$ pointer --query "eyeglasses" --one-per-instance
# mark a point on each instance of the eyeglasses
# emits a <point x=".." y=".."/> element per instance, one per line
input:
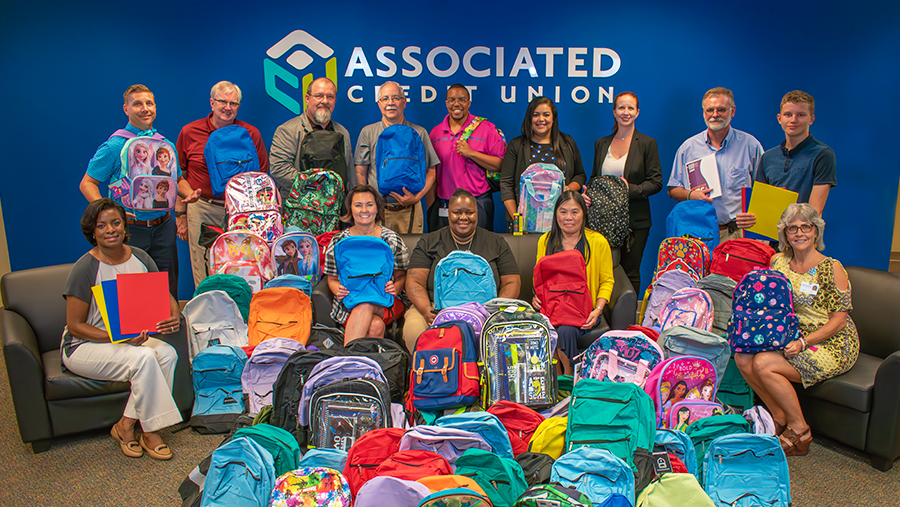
<point x="794" y="228"/>
<point x="457" y="101"/>
<point x="320" y="96"/>
<point x="227" y="103"/>
<point x="720" y="110"/>
<point x="392" y="98"/>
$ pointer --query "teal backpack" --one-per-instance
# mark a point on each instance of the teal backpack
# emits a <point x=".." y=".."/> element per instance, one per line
<point x="618" y="417"/>
<point x="734" y="391"/>
<point x="501" y="478"/>
<point x="279" y="442"/>
<point x="704" y="431"/>
<point x="554" y="495"/>
<point x="747" y="469"/>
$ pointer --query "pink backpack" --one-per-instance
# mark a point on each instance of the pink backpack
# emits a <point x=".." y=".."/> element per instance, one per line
<point x="677" y="379"/>
<point x="619" y="356"/>
<point x="687" y="307"/>
<point x="252" y="203"/>
<point x="683" y="413"/>
<point x="244" y="254"/>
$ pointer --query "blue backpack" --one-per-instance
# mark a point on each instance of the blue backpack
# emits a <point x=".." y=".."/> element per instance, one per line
<point x="365" y="264"/>
<point x="696" y="219"/>
<point x="218" y="397"/>
<point x="302" y="283"/>
<point x="336" y="459"/>
<point x="229" y="151"/>
<point x="747" y="465"/>
<point x="487" y="425"/>
<point x="679" y="444"/>
<point x="400" y="160"/>
<point x="762" y="316"/>
<point x="596" y="473"/>
<point x="241" y="474"/>
<point x="463" y="277"/>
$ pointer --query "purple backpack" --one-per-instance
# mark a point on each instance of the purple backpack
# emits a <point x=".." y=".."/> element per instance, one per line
<point x="619" y="356"/>
<point x="450" y="443"/>
<point x="473" y="313"/>
<point x="386" y="490"/>
<point x="336" y="369"/>
<point x="261" y="371"/>
<point x="687" y="307"/>
<point x="762" y="316"/>
<point x="661" y="290"/>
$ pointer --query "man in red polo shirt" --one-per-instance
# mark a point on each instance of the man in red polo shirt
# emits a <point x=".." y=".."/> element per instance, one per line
<point x="225" y="100"/>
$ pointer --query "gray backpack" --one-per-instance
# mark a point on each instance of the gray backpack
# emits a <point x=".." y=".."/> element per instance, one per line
<point x="720" y="289"/>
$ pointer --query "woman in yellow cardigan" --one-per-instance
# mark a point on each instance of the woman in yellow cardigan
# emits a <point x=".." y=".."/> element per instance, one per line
<point x="568" y="232"/>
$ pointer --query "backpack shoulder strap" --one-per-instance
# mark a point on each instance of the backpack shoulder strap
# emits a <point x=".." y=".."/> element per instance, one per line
<point x="127" y="134"/>
<point x="471" y="128"/>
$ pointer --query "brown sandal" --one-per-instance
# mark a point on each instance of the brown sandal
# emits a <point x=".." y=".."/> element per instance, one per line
<point x="795" y="445"/>
<point x="779" y="428"/>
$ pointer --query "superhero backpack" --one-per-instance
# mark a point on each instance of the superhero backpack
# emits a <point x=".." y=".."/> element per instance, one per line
<point x="365" y="264"/>
<point x="213" y="318"/>
<point x="560" y="282"/>
<point x="311" y="486"/>
<point x="737" y="257"/>
<point x="314" y="203"/>
<point x="517" y="352"/>
<point x="463" y="277"/>
<point x="762" y="316"/>
<point x="696" y="219"/>
<point x="539" y="188"/>
<point x="288" y="254"/>
<point x="241" y="474"/>
<point x="368" y="452"/>
<point x="261" y="371"/>
<point x="400" y="160"/>
<point x="279" y="312"/>
<point x="619" y="356"/>
<point x="229" y="151"/>
<point x="143" y="175"/>
<point x="687" y="307"/>
<point x="444" y="372"/>
<point x="218" y="400"/>
<point x="608" y="213"/>
<point x="673" y="379"/>
<point x="252" y="203"/>
<point x="244" y="254"/>
<point x="323" y="150"/>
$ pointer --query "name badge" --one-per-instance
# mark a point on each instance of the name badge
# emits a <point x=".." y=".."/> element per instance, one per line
<point x="809" y="288"/>
<point x="444" y="210"/>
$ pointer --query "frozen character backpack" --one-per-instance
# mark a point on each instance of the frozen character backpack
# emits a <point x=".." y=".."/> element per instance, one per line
<point x="608" y="213"/>
<point x="400" y="160"/>
<point x="229" y="151"/>
<point x="148" y="173"/>
<point x="695" y="219"/>
<point x="314" y="203"/>
<point x="463" y="277"/>
<point x="762" y="316"/>
<point x="560" y="282"/>
<point x="539" y="188"/>
<point x="365" y="264"/>
<point x="619" y="356"/>
<point x="687" y="307"/>
<point x="297" y="253"/>
<point x="252" y="203"/>
<point x="244" y="254"/>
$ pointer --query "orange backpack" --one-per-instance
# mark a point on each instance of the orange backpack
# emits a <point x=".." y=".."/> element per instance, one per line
<point x="438" y="483"/>
<point x="279" y="312"/>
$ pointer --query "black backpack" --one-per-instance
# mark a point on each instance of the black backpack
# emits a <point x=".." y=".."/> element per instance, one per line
<point x="608" y="212"/>
<point x="323" y="337"/>
<point x="536" y="466"/>
<point x="392" y="358"/>
<point x="288" y="389"/>
<point x="323" y="149"/>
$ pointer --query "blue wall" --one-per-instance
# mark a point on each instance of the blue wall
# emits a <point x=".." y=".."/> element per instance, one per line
<point x="65" y="67"/>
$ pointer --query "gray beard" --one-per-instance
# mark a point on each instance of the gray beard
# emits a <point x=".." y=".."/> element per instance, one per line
<point x="322" y="116"/>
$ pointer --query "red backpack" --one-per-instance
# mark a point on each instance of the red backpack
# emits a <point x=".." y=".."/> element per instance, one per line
<point x="413" y="464"/>
<point x="371" y="450"/>
<point x="323" y="240"/>
<point x="520" y="423"/>
<point x="737" y="257"/>
<point x="560" y="282"/>
<point x="685" y="253"/>
<point x="648" y="331"/>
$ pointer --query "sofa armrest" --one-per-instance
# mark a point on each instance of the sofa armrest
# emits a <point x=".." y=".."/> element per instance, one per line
<point x="321" y="302"/>
<point x="26" y="376"/>
<point x="622" y="307"/>
<point x="883" y="434"/>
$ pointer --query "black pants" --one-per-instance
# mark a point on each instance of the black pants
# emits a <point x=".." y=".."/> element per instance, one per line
<point x="631" y="258"/>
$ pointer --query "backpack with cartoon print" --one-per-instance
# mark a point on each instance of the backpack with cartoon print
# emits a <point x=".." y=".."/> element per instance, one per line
<point x="146" y="182"/>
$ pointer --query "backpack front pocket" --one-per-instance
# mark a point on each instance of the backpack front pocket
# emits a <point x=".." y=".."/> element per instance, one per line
<point x="435" y="372"/>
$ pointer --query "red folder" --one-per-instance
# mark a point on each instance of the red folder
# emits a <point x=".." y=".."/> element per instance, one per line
<point x="143" y="301"/>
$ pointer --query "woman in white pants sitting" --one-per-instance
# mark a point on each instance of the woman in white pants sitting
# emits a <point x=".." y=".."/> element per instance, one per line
<point x="148" y="363"/>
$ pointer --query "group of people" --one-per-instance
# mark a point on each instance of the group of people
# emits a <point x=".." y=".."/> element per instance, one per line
<point x="467" y="159"/>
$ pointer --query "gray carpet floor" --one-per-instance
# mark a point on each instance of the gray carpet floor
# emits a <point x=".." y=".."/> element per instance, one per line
<point x="89" y="470"/>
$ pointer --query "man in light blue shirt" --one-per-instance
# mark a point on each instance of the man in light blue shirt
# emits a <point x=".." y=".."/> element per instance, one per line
<point x="737" y="157"/>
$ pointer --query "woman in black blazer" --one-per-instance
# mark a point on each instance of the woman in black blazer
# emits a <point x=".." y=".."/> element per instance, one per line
<point x="634" y="157"/>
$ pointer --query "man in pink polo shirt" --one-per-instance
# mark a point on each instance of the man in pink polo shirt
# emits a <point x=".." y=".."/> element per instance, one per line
<point x="469" y="148"/>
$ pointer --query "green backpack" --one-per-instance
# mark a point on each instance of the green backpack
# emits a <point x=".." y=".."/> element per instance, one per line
<point x="554" y="494"/>
<point x="280" y="443"/>
<point x="704" y="431"/>
<point x="734" y="390"/>
<point x="617" y="417"/>
<point x="236" y="287"/>
<point x="501" y="478"/>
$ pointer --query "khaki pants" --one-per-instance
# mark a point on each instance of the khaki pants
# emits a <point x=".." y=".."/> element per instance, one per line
<point x="724" y="235"/>
<point x="197" y="213"/>
<point x="398" y="221"/>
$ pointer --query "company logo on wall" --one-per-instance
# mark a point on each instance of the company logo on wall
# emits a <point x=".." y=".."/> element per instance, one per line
<point x="582" y="69"/>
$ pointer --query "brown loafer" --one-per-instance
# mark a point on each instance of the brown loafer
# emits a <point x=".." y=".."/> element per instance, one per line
<point x="160" y="452"/>
<point x="130" y="449"/>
